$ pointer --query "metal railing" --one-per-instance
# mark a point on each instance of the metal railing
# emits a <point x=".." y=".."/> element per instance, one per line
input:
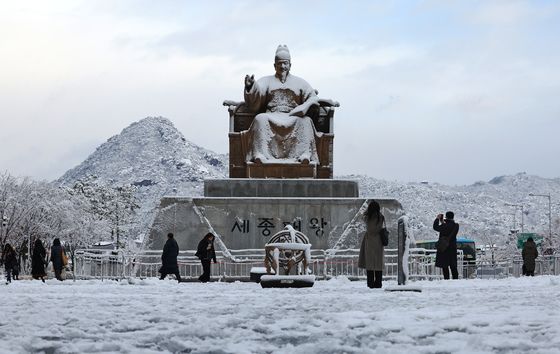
<point x="325" y="264"/>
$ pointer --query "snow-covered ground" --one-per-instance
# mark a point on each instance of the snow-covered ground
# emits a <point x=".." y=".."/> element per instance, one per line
<point x="336" y="316"/>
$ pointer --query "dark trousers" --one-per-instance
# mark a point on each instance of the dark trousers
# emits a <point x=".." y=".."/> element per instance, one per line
<point x="374" y="278"/>
<point x="8" y="274"/>
<point x="58" y="274"/>
<point x="177" y="275"/>
<point x="454" y="272"/>
<point x="205" y="270"/>
<point x="528" y="272"/>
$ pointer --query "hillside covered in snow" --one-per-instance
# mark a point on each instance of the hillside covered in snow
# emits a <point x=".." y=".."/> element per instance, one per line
<point x="154" y="156"/>
<point x="483" y="209"/>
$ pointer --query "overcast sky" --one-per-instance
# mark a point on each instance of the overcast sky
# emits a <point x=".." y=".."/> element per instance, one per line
<point x="446" y="91"/>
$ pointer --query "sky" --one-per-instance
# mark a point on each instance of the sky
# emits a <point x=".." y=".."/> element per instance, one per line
<point x="446" y="91"/>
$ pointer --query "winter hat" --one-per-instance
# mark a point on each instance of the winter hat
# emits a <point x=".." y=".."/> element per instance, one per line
<point x="449" y="215"/>
<point x="282" y="53"/>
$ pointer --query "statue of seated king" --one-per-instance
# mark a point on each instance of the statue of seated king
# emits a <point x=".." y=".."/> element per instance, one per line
<point x="283" y="129"/>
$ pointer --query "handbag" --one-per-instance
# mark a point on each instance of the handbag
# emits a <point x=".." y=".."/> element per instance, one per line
<point x="64" y="259"/>
<point x="384" y="233"/>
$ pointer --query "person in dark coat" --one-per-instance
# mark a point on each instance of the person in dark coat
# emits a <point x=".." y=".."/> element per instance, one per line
<point x="446" y="256"/>
<point x="372" y="252"/>
<point x="10" y="261"/>
<point x="58" y="255"/>
<point x="206" y="253"/>
<point x="529" y="254"/>
<point x="38" y="261"/>
<point x="169" y="258"/>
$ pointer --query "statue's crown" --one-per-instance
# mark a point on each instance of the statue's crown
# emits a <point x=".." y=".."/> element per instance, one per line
<point x="282" y="53"/>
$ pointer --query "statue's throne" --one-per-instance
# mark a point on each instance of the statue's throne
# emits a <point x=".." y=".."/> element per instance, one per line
<point x="240" y="119"/>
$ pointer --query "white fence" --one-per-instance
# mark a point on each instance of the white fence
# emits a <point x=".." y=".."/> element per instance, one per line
<point x="325" y="264"/>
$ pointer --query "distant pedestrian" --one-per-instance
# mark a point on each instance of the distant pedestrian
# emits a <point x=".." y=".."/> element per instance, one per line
<point x="22" y="255"/>
<point x="169" y="258"/>
<point x="206" y="253"/>
<point x="10" y="261"/>
<point x="372" y="252"/>
<point x="38" y="261"/>
<point x="58" y="258"/>
<point x="446" y="256"/>
<point x="529" y="254"/>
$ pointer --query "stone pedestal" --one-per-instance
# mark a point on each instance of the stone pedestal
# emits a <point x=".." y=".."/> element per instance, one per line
<point x="280" y="188"/>
<point x="281" y="170"/>
<point x="244" y="213"/>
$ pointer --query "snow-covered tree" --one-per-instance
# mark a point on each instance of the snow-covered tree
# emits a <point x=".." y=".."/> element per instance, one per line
<point x="117" y="205"/>
<point x="36" y="209"/>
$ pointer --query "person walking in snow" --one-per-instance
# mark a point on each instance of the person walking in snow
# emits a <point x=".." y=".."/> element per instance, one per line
<point x="206" y="253"/>
<point x="10" y="261"/>
<point x="38" y="261"/>
<point x="529" y="254"/>
<point x="372" y="252"/>
<point x="446" y="256"/>
<point x="169" y="258"/>
<point x="58" y="258"/>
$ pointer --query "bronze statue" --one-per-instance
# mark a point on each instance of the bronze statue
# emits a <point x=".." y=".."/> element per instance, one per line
<point x="281" y="129"/>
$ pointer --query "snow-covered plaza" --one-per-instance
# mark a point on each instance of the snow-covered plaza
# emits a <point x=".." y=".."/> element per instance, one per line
<point x="335" y="316"/>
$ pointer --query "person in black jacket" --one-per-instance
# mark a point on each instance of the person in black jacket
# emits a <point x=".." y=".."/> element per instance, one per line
<point x="206" y="253"/>
<point x="38" y="261"/>
<point x="169" y="258"/>
<point x="529" y="254"/>
<point x="446" y="256"/>
<point x="10" y="261"/>
<point x="58" y="257"/>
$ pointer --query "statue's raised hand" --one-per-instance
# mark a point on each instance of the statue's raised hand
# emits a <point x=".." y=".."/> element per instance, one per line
<point x="249" y="81"/>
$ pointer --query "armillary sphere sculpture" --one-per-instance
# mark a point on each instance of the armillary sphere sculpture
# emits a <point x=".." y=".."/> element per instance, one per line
<point x="287" y="257"/>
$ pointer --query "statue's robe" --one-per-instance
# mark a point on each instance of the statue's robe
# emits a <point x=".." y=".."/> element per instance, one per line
<point x="274" y="135"/>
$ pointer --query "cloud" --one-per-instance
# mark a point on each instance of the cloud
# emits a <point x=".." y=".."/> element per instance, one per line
<point x="466" y="80"/>
<point x="505" y="12"/>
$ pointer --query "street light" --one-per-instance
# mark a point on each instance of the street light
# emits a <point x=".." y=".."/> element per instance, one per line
<point x="549" y="214"/>
<point x="522" y="213"/>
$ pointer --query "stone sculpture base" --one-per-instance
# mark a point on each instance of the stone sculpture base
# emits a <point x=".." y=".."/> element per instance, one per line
<point x="287" y="281"/>
<point x="281" y="170"/>
<point x="280" y="188"/>
<point x="330" y="221"/>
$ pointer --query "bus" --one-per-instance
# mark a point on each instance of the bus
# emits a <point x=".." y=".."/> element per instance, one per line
<point x="464" y="244"/>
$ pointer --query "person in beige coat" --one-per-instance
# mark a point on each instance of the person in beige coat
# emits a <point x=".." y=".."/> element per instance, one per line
<point x="371" y="251"/>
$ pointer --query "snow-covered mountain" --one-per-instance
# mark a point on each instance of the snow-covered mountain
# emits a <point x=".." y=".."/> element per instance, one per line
<point x="150" y="152"/>
<point x="480" y="208"/>
<point x="154" y="156"/>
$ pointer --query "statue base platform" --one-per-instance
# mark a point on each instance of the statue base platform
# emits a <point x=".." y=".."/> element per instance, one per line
<point x="280" y="188"/>
<point x="287" y="281"/>
<point x="247" y="223"/>
<point x="281" y="170"/>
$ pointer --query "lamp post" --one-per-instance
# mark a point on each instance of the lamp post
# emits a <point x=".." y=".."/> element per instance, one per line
<point x="549" y="213"/>
<point x="522" y="214"/>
